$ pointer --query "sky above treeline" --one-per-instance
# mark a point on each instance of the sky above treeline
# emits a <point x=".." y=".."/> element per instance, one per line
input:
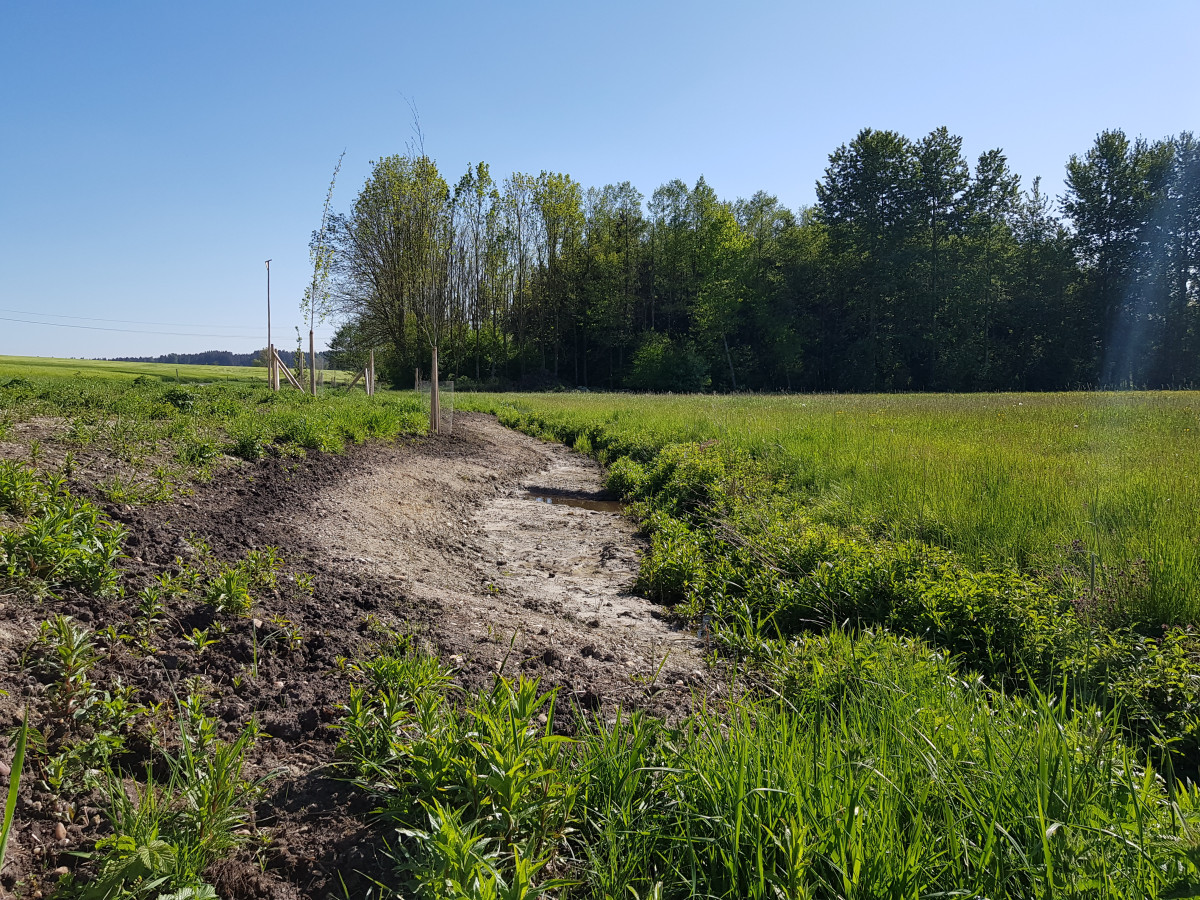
<point x="153" y="155"/>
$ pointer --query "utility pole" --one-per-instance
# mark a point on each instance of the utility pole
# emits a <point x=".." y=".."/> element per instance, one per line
<point x="270" y="347"/>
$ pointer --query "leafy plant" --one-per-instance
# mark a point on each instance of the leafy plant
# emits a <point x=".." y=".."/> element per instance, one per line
<point x="199" y="640"/>
<point x="169" y="832"/>
<point x="229" y="591"/>
<point x="69" y="652"/>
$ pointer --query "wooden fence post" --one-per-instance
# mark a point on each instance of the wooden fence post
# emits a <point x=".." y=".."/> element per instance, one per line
<point x="435" y="407"/>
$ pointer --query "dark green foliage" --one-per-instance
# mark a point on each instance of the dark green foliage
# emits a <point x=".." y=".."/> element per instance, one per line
<point x="663" y="365"/>
<point x="62" y="541"/>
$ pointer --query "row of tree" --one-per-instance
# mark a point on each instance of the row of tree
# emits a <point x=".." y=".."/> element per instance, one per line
<point x="220" y="358"/>
<point x="913" y="271"/>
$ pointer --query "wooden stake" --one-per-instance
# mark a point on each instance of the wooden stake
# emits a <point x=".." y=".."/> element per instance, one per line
<point x="435" y="408"/>
<point x="288" y="372"/>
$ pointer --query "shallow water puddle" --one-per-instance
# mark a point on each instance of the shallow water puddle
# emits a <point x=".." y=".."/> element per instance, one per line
<point x="556" y="499"/>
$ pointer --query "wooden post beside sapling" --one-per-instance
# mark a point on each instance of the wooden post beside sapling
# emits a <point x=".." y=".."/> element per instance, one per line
<point x="435" y="409"/>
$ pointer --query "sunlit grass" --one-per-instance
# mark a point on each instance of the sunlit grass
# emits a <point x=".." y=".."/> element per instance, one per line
<point x="30" y="366"/>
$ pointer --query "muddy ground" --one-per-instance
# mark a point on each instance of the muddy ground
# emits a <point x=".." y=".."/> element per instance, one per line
<point x="499" y="551"/>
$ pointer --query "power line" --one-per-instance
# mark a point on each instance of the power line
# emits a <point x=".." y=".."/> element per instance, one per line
<point x="128" y="330"/>
<point x="29" y="312"/>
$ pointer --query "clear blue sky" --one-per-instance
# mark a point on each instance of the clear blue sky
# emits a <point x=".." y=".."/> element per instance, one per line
<point x="152" y="155"/>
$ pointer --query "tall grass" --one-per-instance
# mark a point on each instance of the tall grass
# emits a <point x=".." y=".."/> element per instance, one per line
<point x="1059" y="483"/>
<point x="879" y="770"/>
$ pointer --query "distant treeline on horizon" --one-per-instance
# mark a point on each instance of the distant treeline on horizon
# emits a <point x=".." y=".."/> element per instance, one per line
<point x="211" y="358"/>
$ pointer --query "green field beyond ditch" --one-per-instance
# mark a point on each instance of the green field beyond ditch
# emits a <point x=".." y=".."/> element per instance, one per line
<point x="31" y="366"/>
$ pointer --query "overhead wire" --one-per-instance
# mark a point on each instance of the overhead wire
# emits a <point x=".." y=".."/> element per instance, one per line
<point x="30" y="312"/>
<point x="126" y="322"/>
<point x="128" y="330"/>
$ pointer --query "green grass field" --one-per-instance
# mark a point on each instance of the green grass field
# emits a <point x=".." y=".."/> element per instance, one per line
<point x="30" y="366"/>
<point x="961" y="627"/>
<point x="168" y="425"/>
<point x="1040" y="481"/>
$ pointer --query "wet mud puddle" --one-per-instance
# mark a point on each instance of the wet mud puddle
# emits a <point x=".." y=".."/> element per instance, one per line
<point x="559" y="498"/>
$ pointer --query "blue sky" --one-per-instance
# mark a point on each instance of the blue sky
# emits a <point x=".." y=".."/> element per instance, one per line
<point x="152" y="155"/>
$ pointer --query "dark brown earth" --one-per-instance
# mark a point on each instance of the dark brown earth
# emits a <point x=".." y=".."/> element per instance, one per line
<point x="436" y="536"/>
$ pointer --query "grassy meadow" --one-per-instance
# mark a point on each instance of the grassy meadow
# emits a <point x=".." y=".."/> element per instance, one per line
<point x="33" y="366"/>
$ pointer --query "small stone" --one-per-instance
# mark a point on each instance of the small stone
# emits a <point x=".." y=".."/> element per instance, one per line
<point x="542" y="718"/>
<point x="60" y="831"/>
<point x="257" y="623"/>
<point x="678" y="684"/>
<point x="278" y="685"/>
<point x="5" y="770"/>
<point x="61" y="871"/>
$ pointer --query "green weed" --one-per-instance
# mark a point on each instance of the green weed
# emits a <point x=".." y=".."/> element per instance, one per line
<point x="14" y="786"/>
<point x="169" y="832"/>
<point x="229" y="591"/>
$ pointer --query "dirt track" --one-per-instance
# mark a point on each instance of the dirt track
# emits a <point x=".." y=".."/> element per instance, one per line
<point x="550" y="580"/>
<point x="435" y="535"/>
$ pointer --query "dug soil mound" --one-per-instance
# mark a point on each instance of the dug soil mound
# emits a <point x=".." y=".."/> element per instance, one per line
<point x="500" y="552"/>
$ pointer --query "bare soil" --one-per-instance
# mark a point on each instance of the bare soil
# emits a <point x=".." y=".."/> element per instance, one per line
<point x="440" y="536"/>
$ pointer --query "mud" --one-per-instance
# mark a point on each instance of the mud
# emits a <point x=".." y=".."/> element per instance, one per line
<point x="447" y="537"/>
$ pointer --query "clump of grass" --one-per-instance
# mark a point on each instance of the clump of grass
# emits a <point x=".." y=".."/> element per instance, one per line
<point x="229" y="592"/>
<point x="21" y="490"/>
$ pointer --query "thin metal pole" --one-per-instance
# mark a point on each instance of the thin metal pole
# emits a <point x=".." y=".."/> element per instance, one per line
<point x="270" y="346"/>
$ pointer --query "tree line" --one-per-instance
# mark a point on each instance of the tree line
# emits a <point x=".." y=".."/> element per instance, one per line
<point x="215" y="358"/>
<point x="914" y="270"/>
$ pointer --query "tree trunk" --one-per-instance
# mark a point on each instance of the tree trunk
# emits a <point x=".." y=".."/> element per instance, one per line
<point x="729" y="359"/>
<point x="312" y="365"/>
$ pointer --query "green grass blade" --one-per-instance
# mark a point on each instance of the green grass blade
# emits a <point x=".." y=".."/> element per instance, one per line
<point x="14" y="786"/>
